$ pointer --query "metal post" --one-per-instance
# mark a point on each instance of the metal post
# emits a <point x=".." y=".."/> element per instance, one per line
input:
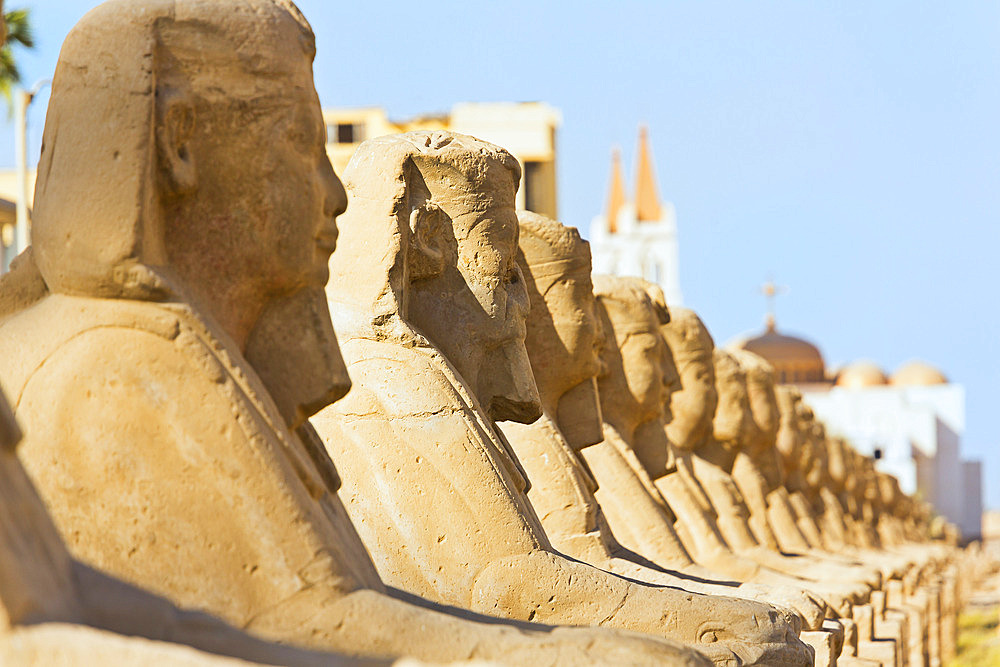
<point x="22" y="99"/>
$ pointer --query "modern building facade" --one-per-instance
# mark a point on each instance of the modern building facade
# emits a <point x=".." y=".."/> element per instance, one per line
<point x="526" y="129"/>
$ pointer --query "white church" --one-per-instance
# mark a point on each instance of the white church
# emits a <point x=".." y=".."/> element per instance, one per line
<point x="638" y="236"/>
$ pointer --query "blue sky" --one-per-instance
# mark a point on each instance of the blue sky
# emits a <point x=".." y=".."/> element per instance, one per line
<point x="851" y="150"/>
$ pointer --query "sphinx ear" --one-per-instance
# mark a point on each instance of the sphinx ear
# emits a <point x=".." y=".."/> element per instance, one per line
<point x="426" y="251"/>
<point x="173" y="139"/>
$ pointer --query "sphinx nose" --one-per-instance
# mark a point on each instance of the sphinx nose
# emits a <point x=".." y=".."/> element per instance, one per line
<point x="335" y="202"/>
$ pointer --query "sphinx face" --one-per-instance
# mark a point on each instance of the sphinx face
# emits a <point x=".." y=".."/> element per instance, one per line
<point x="693" y="399"/>
<point x="888" y="489"/>
<point x="816" y="466"/>
<point x="835" y="462"/>
<point x="764" y="409"/>
<point x="268" y="175"/>
<point x="733" y="422"/>
<point x="572" y="349"/>
<point x="474" y="310"/>
<point x="631" y="382"/>
<point x="850" y="472"/>
<point x="788" y="433"/>
<point x="642" y="354"/>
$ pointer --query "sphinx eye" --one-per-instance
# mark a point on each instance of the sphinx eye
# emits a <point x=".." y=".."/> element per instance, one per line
<point x="708" y="636"/>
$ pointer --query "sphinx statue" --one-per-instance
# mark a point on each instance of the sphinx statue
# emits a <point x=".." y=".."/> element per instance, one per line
<point x="713" y="461"/>
<point x="432" y="326"/>
<point x="710" y="511"/>
<point x="793" y="448"/>
<point x="757" y="474"/>
<point x="563" y="337"/>
<point x="56" y="610"/>
<point x="630" y="391"/>
<point x="167" y="336"/>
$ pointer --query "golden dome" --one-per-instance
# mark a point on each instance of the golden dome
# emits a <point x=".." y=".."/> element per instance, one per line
<point x="917" y="374"/>
<point x="794" y="359"/>
<point x="860" y="374"/>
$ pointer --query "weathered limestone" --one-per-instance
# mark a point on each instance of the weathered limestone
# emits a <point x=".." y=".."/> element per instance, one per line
<point x="631" y="394"/>
<point x="55" y="610"/>
<point x="432" y="327"/>
<point x="168" y="335"/>
<point x="735" y="427"/>
<point x="700" y="492"/>
<point x="562" y="340"/>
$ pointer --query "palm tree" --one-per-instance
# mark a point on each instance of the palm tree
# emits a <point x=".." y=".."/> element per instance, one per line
<point x="18" y="24"/>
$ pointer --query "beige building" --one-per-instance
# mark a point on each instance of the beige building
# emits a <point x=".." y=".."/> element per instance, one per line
<point x="526" y="129"/>
<point x="8" y="214"/>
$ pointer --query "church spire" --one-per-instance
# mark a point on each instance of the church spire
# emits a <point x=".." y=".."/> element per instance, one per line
<point x="647" y="201"/>
<point x="616" y="195"/>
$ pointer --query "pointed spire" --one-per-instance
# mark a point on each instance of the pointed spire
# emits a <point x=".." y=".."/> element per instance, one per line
<point x="647" y="201"/>
<point x="616" y="195"/>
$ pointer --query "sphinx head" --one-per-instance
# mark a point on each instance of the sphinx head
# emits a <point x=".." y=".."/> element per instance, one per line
<point x="791" y="436"/>
<point x="428" y="257"/>
<point x="208" y="171"/>
<point x="817" y="467"/>
<point x="868" y="480"/>
<point x="852" y="471"/>
<point x="836" y="458"/>
<point x="206" y="182"/>
<point x="733" y="424"/>
<point x="564" y="337"/>
<point x="692" y="395"/>
<point x="760" y="377"/>
<point x="632" y="383"/>
<point x="889" y="491"/>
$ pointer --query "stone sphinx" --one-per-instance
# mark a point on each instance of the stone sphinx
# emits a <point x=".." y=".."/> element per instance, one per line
<point x="631" y="390"/>
<point x="706" y="502"/>
<point x="55" y="610"/>
<point x="167" y="336"/>
<point x="793" y="448"/>
<point x="713" y="461"/>
<point x="758" y="475"/>
<point x="430" y="307"/>
<point x="563" y="336"/>
<point x="756" y="469"/>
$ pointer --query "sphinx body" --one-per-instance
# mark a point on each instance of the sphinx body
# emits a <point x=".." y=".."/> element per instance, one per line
<point x="632" y="396"/>
<point x="55" y="610"/>
<point x="703" y="423"/>
<point x="433" y="333"/>
<point x="563" y="340"/>
<point x="714" y="461"/>
<point x="167" y="337"/>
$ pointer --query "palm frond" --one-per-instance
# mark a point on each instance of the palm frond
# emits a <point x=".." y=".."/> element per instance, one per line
<point x="19" y="27"/>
